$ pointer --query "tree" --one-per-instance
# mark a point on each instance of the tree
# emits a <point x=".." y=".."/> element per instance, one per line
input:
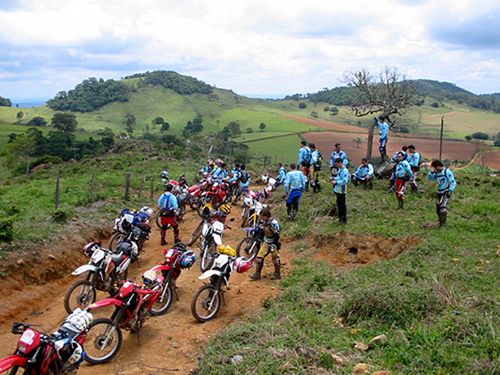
<point x="19" y="150"/>
<point x="468" y="138"/>
<point x="192" y="127"/>
<point x="165" y="127"/>
<point x="334" y="111"/>
<point x="249" y="130"/>
<point x="158" y="121"/>
<point x="20" y="115"/>
<point x="234" y="128"/>
<point x="314" y="114"/>
<point x="302" y="105"/>
<point x="37" y="121"/>
<point x="388" y="94"/>
<point x="480" y="135"/>
<point x="129" y="122"/>
<point x="4" y="102"/>
<point x="262" y="126"/>
<point x="65" y="122"/>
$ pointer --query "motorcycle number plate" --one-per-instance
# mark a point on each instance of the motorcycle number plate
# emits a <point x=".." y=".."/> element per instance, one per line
<point x="97" y="256"/>
<point x="27" y="337"/>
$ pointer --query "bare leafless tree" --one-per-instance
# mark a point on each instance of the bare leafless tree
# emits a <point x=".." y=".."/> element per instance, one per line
<point x="386" y="94"/>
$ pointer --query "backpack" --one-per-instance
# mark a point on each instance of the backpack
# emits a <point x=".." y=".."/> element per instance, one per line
<point x="244" y="176"/>
<point x="307" y="157"/>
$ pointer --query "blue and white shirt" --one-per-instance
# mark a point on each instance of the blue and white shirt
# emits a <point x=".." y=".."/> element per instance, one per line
<point x="341" y="181"/>
<point x="295" y="180"/>
<point x="403" y="169"/>
<point x="304" y="156"/>
<point x="384" y="129"/>
<point x="168" y="201"/>
<point x="364" y="171"/>
<point x="445" y="180"/>
<point x="414" y="159"/>
<point x="339" y="154"/>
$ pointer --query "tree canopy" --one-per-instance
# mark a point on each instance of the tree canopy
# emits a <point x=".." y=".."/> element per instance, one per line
<point x="179" y="83"/>
<point x="90" y="95"/>
<point x="66" y="122"/>
<point x="4" y="102"/>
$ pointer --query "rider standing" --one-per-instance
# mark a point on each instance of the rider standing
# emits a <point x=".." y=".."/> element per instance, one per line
<point x="168" y="206"/>
<point x="271" y="245"/>
<point x="338" y="153"/>
<point x="316" y="167"/>
<point x="446" y="185"/>
<point x="414" y="159"/>
<point x="403" y="174"/>
<point x="304" y="161"/>
<point x="383" y="126"/>
<point x="340" y="183"/>
<point x="295" y="183"/>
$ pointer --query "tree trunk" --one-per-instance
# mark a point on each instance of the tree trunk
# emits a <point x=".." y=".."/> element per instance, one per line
<point x="369" y="145"/>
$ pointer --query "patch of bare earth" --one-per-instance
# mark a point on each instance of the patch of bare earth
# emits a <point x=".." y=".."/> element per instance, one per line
<point x="347" y="249"/>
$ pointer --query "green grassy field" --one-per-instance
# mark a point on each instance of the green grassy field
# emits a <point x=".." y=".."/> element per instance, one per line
<point x="437" y="303"/>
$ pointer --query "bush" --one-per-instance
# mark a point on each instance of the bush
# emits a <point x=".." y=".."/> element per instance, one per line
<point x="302" y="105"/>
<point x="314" y="114"/>
<point x="496" y="143"/>
<point x="468" y="138"/>
<point x="249" y="130"/>
<point x="7" y="228"/>
<point x="37" y="121"/>
<point x="398" y="305"/>
<point x="435" y="105"/>
<point x="480" y="135"/>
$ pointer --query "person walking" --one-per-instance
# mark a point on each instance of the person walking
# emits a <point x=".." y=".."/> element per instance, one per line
<point x="168" y="206"/>
<point x="446" y="186"/>
<point x="304" y="161"/>
<point x="383" y="126"/>
<point x="295" y="184"/>
<point x="403" y="174"/>
<point x="315" y="167"/>
<point x="271" y="245"/>
<point x="340" y="183"/>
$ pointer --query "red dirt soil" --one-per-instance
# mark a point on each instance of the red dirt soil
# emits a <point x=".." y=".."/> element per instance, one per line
<point x="490" y="159"/>
<point x="428" y="147"/>
<point x="326" y="124"/>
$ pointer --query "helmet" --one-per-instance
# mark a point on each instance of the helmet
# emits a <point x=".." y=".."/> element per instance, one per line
<point x="242" y="265"/>
<point x="219" y="162"/>
<point x="226" y="208"/>
<point x="149" y="277"/>
<point x="188" y="259"/>
<point x="70" y="352"/>
<point x="210" y="162"/>
<point x="164" y="175"/>
<point x="146" y="210"/>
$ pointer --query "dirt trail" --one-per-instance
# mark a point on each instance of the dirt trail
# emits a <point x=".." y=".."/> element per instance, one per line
<point x="167" y="344"/>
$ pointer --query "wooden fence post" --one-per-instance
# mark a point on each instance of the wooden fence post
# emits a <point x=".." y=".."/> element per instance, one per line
<point x="58" y="192"/>
<point x="152" y="190"/>
<point x="126" y="197"/>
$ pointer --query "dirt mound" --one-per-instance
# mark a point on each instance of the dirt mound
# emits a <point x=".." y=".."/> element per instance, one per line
<point x="344" y="249"/>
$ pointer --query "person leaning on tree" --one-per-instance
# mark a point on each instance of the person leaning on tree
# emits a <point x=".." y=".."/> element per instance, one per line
<point x="446" y="186"/>
<point x="340" y="183"/>
<point x="383" y="126"/>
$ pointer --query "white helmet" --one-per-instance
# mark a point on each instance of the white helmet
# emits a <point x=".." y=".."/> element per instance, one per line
<point x="70" y="352"/>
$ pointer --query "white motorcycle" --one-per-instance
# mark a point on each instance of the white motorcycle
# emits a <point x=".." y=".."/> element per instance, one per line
<point x="104" y="272"/>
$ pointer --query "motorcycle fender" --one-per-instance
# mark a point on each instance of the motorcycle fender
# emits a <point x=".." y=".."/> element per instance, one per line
<point x="83" y="269"/>
<point x="209" y="274"/>
<point x="106" y="302"/>
<point x="12" y="361"/>
<point x="123" y="266"/>
<point x="217" y="239"/>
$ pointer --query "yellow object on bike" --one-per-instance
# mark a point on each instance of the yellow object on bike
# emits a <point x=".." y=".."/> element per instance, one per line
<point x="227" y="250"/>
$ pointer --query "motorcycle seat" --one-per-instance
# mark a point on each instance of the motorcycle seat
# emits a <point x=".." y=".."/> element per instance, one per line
<point x="118" y="258"/>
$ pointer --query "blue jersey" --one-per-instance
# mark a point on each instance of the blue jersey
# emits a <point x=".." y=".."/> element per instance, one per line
<point x="403" y="169"/>
<point x="395" y="156"/>
<point x="414" y="159"/>
<point x="304" y="156"/>
<point x="295" y="180"/>
<point x="168" y="201"/>
<point x="341" y="181"/>
<point x="219" y="173"/>
<point x="281" y="174"/>
<point x="384" y="129"/>
<point x="364" y="171"/>
<point x="445" y="180"/>
<point x="315" y="158"/>
<point x="339" y="154"/>
<point x="236" y="174"/>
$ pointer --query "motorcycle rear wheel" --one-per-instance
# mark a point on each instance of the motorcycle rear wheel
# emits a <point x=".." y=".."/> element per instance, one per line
<point x="115" y="240"/>
<point x="85" y="295"/>
<point x="101" y="328"/>
<point x="206" y="303"/>
<point x="161" y="307"/>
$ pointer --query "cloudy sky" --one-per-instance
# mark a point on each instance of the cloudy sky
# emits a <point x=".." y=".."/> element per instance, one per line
<point x="255" y="47"/>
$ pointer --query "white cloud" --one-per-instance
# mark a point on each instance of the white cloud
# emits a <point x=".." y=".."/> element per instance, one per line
<point x="251" y="46"/>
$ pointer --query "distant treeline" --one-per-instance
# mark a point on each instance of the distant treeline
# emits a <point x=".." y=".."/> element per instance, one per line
<point x="181" y="84"/>
<point x="4" y="102"/>
<point x="438" y="91"/>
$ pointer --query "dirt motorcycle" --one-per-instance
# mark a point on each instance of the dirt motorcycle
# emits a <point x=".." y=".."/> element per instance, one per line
<point x="217" y="195"/>
<point x="175" y="260"/>
<point x="104" y="272"/>
<point x="249" y="199"/>
<point x="125" y="223"/>
<point x="250" y="245"/>
<point x="196" y="191"/>
<point x="133" y="306"/>
<point x="38" y="353"/>
<point x="253" y="214"/>
<point x="209" y="298"/>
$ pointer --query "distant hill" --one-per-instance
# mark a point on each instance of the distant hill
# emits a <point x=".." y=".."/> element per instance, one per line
<point x="434" y="90"/>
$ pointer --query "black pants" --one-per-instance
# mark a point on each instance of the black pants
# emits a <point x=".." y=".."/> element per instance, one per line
<point x="342" y="208"/>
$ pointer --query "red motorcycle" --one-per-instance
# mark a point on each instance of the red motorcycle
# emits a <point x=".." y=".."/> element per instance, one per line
<point x="39" y="353"/>
<point x="217" y="195"/>
<point x="176" y="259"/>
<point x="196" y="191"/>
<point x="133" y="306"/>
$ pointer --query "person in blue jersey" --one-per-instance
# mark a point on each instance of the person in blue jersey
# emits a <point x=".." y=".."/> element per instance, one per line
<point x="304" y="161"/>
<point x="280" y="180"/>
<point x="295" y="184"/>
<point x="403" y="174"/>
<point x="446" y="186"/>
<point x="395" y="160"/>
<point x="169" y="207"/>
<point x="220" y="172"/>
<point x="340" y="183"/>
<point x="383" y="126"/>
<point x="338" y="153"/>
<point x="315" y="167"/>
<point x="244" y="179"/>
<point x="414" y="159"/>
<point x="363" y="174"/>
<point x="207" y="169"/>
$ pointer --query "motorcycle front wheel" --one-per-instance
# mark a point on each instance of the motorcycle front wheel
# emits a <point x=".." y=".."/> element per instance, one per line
<point x="81" y="294"/>
<point x="103" y="341"/>
<point x="248" y="247"/>
<point x="163" y="302"/>
<point x="206" y="303"/>
<point x="207" y="259"/>
<point x="115" y="240"/>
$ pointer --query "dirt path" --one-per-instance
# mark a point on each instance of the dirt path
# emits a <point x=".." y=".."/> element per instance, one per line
<point x="167" y="344"/>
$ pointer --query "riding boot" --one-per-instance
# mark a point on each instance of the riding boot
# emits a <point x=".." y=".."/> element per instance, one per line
<point x="259" y="264"/>
<point x="163" y="233"/>
<point x="442" y="219"/>
<point x="277" y="269"/>
<point x="400" y="204"/>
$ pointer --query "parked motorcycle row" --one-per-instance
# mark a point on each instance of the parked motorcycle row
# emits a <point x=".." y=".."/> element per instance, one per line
<point x="97" y="341"/>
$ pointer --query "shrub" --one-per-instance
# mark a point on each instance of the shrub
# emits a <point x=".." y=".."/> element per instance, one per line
<point x="435" y="105"/>
<point x="302" y="105"/>
<point x="468" y="138"/>
<point x="7" y="228"/>
<point x="480" y="135"/>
